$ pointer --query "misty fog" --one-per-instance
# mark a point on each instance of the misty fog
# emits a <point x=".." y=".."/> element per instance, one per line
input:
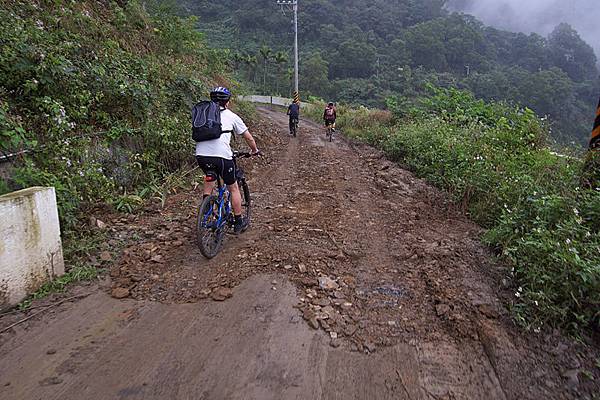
<point x="539" y="16"/>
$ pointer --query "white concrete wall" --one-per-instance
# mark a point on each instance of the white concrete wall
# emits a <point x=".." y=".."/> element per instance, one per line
<point x="30" y="246"/>
<point x="278" y="101"/>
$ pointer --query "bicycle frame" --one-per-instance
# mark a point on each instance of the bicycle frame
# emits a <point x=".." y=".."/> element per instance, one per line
<point x="294" y="125"/>
<point x="224" y="209"/>
<point x="215" y="214"/>
<point x="224" y="202"/>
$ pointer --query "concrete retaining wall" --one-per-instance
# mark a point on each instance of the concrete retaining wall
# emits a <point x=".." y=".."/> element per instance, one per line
<point x="273" y="100"/>
<point x="30" y="245"/>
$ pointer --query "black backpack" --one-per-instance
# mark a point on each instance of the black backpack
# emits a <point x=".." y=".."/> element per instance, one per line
<point x="206" y="121"/>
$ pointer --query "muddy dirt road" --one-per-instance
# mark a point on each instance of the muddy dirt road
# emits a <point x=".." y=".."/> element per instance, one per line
<point x="356" y="281"/>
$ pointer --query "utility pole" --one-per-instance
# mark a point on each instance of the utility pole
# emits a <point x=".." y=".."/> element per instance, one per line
<point x="294" y="5"/>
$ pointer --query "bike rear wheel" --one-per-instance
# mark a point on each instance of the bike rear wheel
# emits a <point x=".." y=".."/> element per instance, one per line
<point x="209" y="234"/>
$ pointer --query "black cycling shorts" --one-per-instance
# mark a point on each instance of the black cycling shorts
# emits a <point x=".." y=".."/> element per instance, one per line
<point x="329" y="122"/>
<point x="221" y="166"/>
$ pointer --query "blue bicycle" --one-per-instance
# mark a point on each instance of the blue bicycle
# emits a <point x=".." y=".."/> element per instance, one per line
<point x="215" y="216"/>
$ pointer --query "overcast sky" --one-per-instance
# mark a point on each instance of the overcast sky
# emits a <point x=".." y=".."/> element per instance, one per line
<point x="539" y="16"/>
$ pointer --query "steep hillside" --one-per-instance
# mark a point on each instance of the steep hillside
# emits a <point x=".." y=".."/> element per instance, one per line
<point x="366" y="51"/>
<point x="97" y="95"/>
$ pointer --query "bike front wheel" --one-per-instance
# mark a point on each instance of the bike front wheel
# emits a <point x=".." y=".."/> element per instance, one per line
<point x="209" y="230"/>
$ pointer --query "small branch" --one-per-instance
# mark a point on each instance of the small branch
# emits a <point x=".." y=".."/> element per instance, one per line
<point x="44" y="310"/>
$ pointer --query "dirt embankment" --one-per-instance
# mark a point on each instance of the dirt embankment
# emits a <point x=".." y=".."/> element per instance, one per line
<point x="357" y="280"/>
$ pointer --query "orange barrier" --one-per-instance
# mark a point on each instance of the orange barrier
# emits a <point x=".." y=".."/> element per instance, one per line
<point x="595" y="140"/>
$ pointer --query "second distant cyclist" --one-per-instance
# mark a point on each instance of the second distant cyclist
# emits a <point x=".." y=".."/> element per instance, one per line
<point x="294" y="113"/>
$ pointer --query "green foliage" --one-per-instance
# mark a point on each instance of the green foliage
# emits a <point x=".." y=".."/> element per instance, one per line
<point x="12" y="134"/>
<point x="101" y="93"/>
<point x="248" y="110"/>
<point x="317" y="69"/>
<point x="128" y="203"/>
<point x="493" y="160"/>
<point x="4" y="188"/>
<point x="363" y="52"/>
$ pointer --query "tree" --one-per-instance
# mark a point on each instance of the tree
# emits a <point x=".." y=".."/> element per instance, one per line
<point x="571" y="54"/>
<point x="281" y="59"/>
<point x="424" y="42"/>
<point x="315" y="72"/>
<point x="398" y="54"/>
<point x="354" y="59"/>
<point x="251" y="62"/>
<point x="266" y="54"/>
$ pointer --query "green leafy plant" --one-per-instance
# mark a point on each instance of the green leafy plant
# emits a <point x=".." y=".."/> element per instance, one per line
<point x="128" y="203"/>
<point x="98" y="95"/>
<point x="101" y="100"/>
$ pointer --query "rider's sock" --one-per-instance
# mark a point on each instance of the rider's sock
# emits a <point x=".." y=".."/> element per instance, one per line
<point x="237" y="218"/>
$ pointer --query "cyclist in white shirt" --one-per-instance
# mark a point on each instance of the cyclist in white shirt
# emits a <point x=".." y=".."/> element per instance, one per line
<point x="216" y="155"/>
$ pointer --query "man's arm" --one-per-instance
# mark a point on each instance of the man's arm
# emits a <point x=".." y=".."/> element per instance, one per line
<point x="250" y="141"/>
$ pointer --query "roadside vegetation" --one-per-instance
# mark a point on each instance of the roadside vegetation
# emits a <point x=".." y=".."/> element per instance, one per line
<point x="494" y="161"/>
<point x="94" y="101"/>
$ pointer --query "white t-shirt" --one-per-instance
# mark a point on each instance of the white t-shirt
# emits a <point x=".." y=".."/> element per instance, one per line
<point x="220" y="147"/>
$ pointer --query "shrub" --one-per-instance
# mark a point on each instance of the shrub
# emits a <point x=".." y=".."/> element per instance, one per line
<point x="101" y="93"/>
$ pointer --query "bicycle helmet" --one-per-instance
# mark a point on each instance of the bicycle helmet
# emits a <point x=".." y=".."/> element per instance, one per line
<point x="220" y="94"/>
<point x="330" y="104"/>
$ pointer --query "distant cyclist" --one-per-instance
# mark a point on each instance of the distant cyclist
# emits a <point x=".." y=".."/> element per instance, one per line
<point x="329" y="116"/>
<point x="294" y="113"/>
<point x="216" y="155"/>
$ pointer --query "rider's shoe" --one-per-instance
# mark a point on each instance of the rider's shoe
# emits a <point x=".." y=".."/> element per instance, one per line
<point x="240" y="225"/>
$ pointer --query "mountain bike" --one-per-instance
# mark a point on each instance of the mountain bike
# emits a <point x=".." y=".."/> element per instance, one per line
<point x="329" y="133"/>
<point x="215" y="214"/>
<point x="294" y="127"/>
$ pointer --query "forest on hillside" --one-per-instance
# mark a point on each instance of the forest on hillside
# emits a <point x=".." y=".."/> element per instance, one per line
<point x="368" y="51"/>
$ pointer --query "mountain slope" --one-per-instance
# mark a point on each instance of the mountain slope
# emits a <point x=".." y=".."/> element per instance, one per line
<point x="98" y="95"/>
<point x="366" y="51"/>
